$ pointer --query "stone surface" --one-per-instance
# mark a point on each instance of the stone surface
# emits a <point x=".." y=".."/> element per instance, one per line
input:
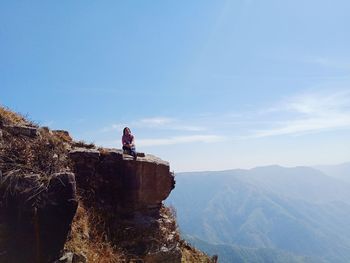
<point x="35" y="216"/>
<point x="22" y="130"/>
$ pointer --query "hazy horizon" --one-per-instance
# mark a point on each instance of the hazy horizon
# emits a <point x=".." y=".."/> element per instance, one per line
<point x="265" y="166"/>
<point x="205" y="85"/>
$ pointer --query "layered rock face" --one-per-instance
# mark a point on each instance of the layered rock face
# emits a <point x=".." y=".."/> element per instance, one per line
<point x="129" y="195"/>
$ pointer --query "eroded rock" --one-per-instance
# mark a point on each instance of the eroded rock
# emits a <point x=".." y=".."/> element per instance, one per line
<point x="35" y="216"/>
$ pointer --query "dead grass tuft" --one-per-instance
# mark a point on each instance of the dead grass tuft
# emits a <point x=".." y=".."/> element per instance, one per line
<point x="42" y="155"/>
<point x="9" y="117"/>
<point x="88" y="238"/>
<point x="63" y="136"/>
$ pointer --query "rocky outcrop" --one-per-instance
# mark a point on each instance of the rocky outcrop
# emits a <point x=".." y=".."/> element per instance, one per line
<point x="25" y="130"/>
<point x="126" y="185"/>
<point x="35" y="216"/>
<point x="129" y="194"/>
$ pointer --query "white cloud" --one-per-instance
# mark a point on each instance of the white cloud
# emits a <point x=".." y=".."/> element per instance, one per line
<point x="156" y="121"/>
<point x="315" y="112"/>
<point x="113" y="127"/>
<point x="310" y="112"/>
<point x="321" y="103"/>
<point x="167" y="124"/>
<point x="179" y="140"/>
<point x="163" y="123"/>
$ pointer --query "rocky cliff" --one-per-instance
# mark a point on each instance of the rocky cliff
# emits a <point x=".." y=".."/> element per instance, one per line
<point x="129" y="194"/>
<point x="67" y="201"/>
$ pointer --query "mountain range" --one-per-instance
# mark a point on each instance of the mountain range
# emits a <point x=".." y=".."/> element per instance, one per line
<point x="267" y="214"/>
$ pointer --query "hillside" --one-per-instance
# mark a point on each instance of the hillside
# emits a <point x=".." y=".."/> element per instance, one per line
<point x="240" y="254"/>
<point x="68" y="201"/>
<point x="297" y="210"/>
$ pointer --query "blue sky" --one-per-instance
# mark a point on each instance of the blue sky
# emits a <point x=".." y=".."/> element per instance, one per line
<point x="206" y="85"/>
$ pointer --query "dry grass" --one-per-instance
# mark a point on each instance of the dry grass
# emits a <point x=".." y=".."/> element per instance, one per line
<point x="63" y="136"/>
<point x="9" y="117"/>
<point x="42" y="155"/>
<point x="87" y="238"/>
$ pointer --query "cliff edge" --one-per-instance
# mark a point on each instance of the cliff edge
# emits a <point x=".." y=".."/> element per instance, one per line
<point x="67" y="201"/>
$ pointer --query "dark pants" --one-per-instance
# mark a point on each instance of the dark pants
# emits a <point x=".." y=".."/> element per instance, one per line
<point x="130" y="150"/>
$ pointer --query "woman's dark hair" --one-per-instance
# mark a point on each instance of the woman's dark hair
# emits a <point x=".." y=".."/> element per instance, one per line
<point x="125" y="129"/>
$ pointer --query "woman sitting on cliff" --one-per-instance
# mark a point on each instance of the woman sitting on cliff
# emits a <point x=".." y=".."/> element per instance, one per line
<point x="128" y="142"/>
